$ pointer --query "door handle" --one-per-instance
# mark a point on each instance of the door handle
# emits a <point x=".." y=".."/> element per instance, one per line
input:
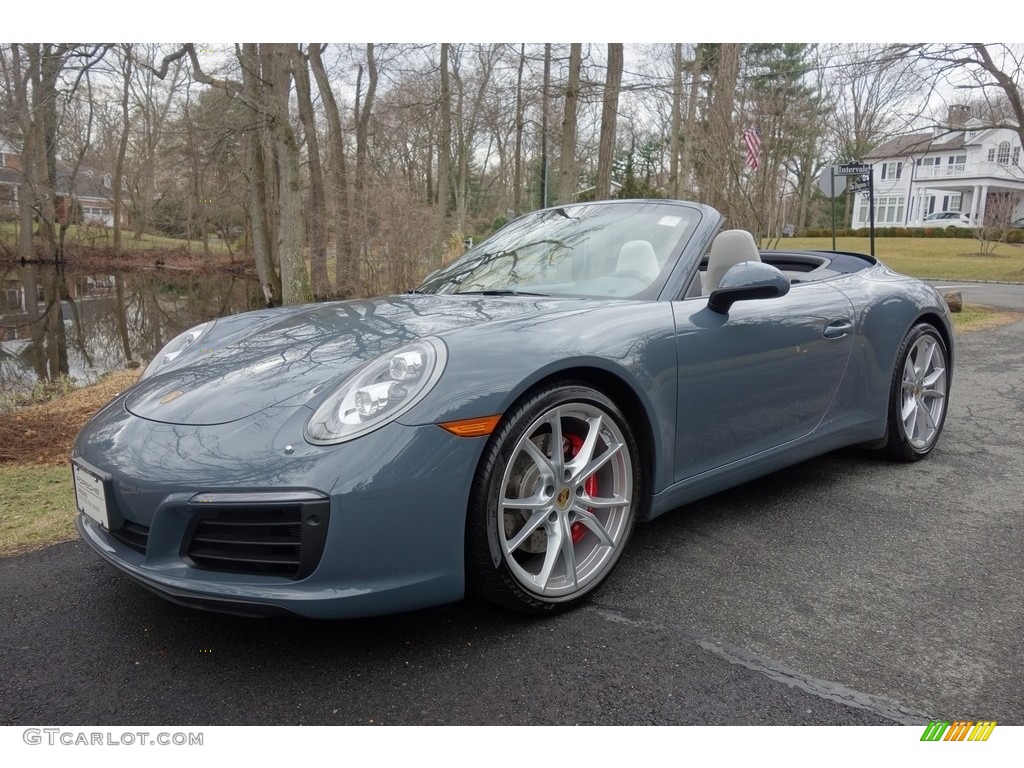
<point x="837" y="329"/>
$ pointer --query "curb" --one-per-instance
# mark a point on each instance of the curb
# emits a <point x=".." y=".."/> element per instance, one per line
<point x="960" y="280"/>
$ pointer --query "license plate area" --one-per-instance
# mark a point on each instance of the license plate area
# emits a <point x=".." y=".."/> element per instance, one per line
<point x="91" y="494"/>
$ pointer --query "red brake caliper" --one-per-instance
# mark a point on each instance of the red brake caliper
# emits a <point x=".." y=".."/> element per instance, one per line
<point x="589" y="485"/>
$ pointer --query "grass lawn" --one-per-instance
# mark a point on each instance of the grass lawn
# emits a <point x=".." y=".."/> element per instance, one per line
<point x="36" y="506"/>
<point x="940" y="258"/>
<point x="101" y="237"/>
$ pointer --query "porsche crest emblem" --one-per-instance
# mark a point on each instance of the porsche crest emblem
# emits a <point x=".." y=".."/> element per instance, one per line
<point x="171" y="396"/>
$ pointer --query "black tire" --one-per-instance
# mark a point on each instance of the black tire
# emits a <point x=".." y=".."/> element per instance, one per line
<point x="919" y="395"/>
<point x="507" y="547"/>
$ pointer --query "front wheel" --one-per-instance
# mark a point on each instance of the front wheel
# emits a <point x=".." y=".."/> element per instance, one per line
<point x="919" y="393"/>
<point x="554" y="500"/>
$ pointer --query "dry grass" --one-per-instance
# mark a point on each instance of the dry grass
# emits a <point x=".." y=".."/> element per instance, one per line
<point x="975" y="318"/>
<point x="43" y="434"/>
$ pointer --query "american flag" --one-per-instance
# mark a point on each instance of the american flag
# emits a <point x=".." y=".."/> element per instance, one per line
<point x="752" y="138"/>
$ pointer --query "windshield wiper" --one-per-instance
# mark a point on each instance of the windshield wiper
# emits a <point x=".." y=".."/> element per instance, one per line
<point x="500" y="292"/>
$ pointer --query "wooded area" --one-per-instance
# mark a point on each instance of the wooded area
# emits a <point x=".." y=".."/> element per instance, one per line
<point x="353" y="169"/>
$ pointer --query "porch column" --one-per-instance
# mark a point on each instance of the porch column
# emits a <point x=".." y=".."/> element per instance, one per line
<point x="981" y="205"/>
<point x="975" y="199"/>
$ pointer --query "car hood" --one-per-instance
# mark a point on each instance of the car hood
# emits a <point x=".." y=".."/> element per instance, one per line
<point x="290" y="352"/>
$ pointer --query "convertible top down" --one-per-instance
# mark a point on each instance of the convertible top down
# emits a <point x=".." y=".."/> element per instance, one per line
<point x="503" y="427"/>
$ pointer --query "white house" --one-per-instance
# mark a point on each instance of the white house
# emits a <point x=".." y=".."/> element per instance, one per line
<point x="967" y="168"/>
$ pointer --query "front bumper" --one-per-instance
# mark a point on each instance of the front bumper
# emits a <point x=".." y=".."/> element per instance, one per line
<point x="392" y="514"/>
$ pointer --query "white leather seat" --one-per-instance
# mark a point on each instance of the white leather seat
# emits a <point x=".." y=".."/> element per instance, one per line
<point x="730" y="247"/>
<point x="639" y="256"/>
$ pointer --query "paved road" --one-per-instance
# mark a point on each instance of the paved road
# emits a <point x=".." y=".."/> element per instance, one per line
<point x="999" y="295"/>
<point x="842" y="591"/>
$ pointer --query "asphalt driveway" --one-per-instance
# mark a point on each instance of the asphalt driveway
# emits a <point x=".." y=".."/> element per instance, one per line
<point x="842" y="591"/>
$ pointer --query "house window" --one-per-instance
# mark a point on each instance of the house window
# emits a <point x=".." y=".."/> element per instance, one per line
<point x="1016" y="155"/>
<point x="95" y="214"/>
<point x="931" y="167"/>
<point x="891" y="171"/>
<point x="991" y="155"/>
<point x="888" y="210"/>
<point x="1003" y="158"/>
<point x="952" y="202"/>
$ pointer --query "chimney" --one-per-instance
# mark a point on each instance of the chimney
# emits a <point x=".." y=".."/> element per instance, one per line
<point x="959" y="114"/>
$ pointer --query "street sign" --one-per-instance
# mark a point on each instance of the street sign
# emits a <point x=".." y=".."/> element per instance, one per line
<point x="830" y="184"/>
<point x="853" y="169"/>
<point x="858" y="185"/>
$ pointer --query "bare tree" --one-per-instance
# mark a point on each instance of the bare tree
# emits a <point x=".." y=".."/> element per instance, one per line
<point x="989" y="70"/>
<point x="346" y="276"/>
<point x="873" y="91"/>
<point x="718" y="173"/>
<point x="317" y="208"/>
<point x="125" y="62"/>
<point x="443" y="162"/>
<point x="609" y="114"/>
<point x="999" y="210"/>
<point x="567" y="159"/>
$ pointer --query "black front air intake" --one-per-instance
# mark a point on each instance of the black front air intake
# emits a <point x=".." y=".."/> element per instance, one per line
<point x="252" y="538"/>
<point x="132" y="535"/>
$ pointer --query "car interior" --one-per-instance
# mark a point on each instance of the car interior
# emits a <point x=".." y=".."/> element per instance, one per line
<point x="733" y="246"/>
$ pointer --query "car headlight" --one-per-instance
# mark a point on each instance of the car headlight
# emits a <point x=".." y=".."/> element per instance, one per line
<point x="378" y="393"/>
<point x="175" y="347"/>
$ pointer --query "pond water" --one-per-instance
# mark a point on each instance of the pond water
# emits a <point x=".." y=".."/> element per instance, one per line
<point x="55" y="322"/>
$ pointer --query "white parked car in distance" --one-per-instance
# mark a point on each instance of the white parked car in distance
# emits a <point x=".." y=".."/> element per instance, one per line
<point x="948" y="219"/>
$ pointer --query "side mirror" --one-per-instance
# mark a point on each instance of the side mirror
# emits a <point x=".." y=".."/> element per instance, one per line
<point x="745" y="281"/>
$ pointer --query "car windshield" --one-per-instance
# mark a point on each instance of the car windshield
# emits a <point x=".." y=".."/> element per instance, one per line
<point x="614" y="250"/>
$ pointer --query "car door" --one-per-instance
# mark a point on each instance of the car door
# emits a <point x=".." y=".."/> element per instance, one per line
<point x="760" y="376"/>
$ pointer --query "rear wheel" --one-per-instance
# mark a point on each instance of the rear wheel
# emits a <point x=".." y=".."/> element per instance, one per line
<point x="554" y="501"/>
<point x="919" y="393"/>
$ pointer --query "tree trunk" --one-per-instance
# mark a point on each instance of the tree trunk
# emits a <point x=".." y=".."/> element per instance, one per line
<point x="689" y="133"/>
<point x="545" y="109"/>
<point x="270" y="282"/>
<point x="517" y="173"/>
<point x="346" y="276"/>
<point x="716" y="185"/>
<point x="26" y="244"/>
<point x="609" y="113"/>
<point x="444" y="150"/>
<point x="675" y="122"/>
<point x="361" y="203"/>
<point x="567" y="161"/>
<point x="122" y="146"/>
<point x="295" y="287"/>
<point x="317" y="205"/>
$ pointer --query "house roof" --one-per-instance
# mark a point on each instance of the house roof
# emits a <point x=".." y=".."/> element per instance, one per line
<point x="87" y="184"/>
<point x="916" y="143"/>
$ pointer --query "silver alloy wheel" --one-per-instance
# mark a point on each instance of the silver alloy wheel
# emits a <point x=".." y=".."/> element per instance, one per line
<point x="924" y="392"/>
<point x="564" y="500"/>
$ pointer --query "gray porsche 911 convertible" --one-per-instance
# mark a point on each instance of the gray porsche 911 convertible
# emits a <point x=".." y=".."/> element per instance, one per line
<point x="502" y="428"/>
